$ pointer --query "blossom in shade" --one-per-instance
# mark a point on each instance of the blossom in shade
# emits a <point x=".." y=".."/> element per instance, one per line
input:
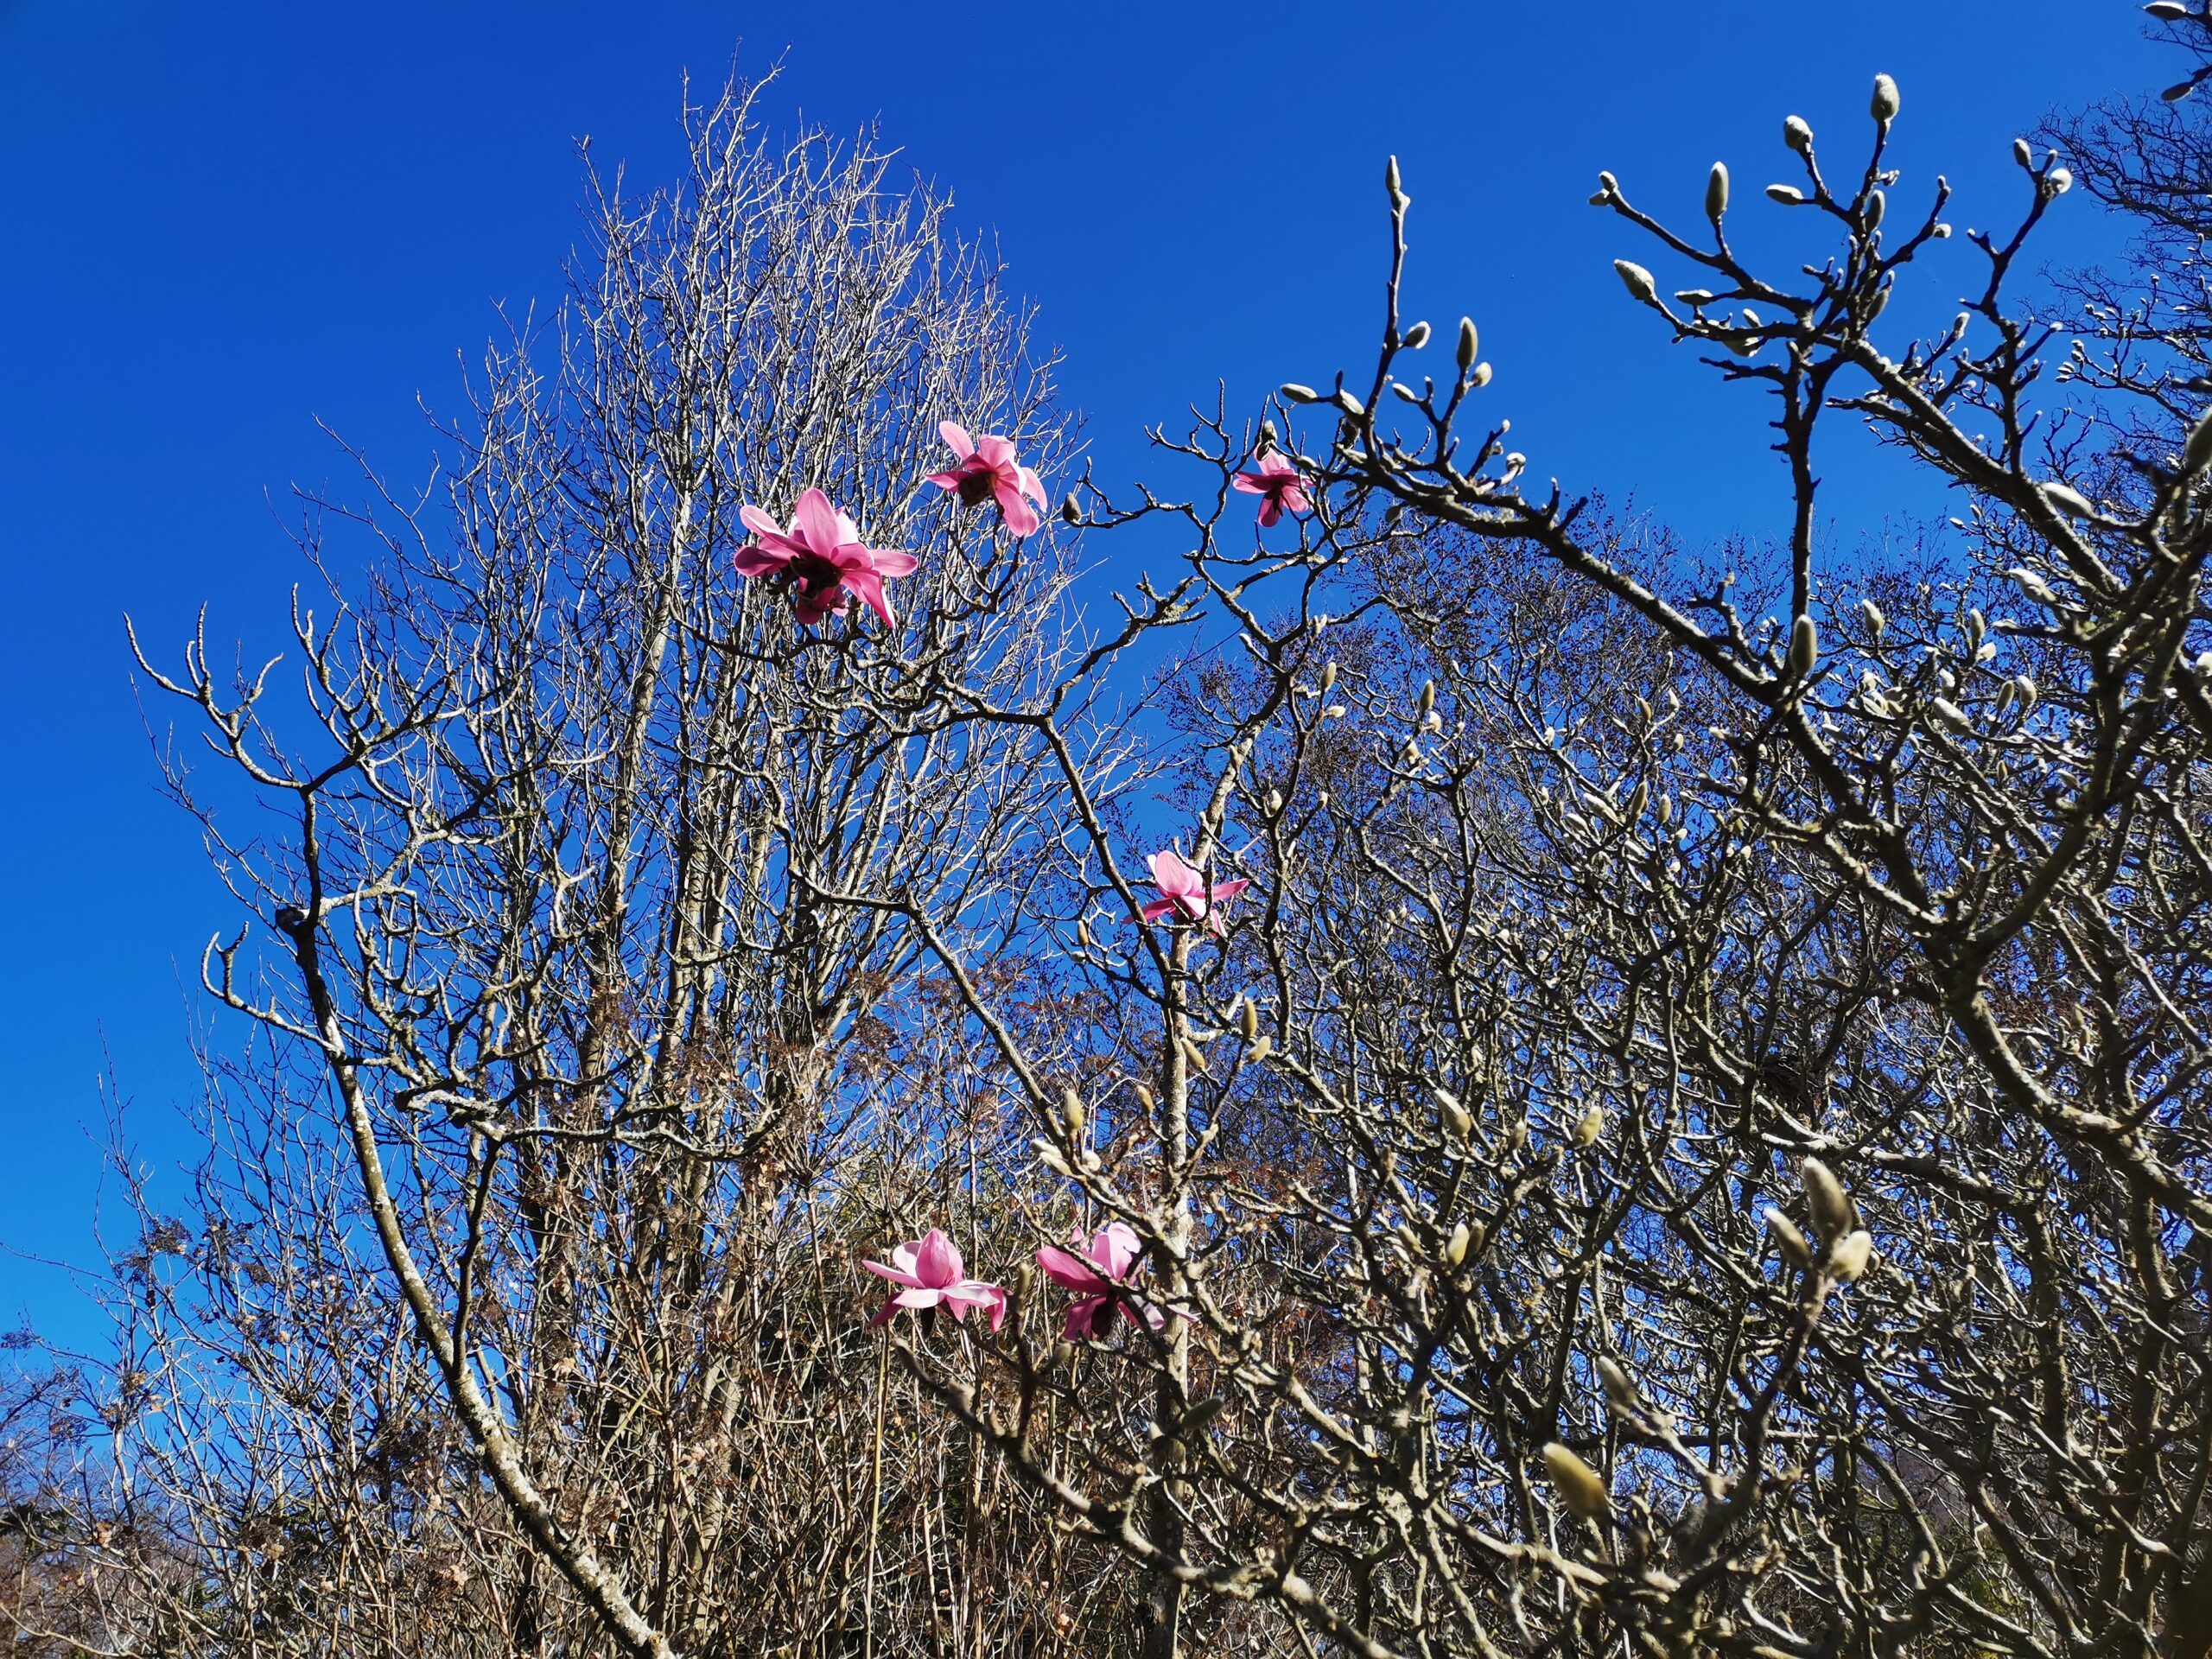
<point x="989" y="470"/>
<point x="823" y="558"/>
<point x="1183" y="891"/>
<point x="1098" y="1275"/>
<point x="1279" y="483"/>
<point x="929" y="1274"/>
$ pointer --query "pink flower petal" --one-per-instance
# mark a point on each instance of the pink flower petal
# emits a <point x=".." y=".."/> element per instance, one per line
<point x="761" y="561"/>
<point x="869" y="587"/>
<point x="815" y="523"/>
<point x="890" y="564"/>
<point x="1069" y="1272"/>
<point x="936" y="1261"/>
<point x="1116" y="1248"/>
<point x="955" y="435"/>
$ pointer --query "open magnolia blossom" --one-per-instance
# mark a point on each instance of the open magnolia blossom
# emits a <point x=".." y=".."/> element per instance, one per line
<point x="822" y="553"/>
<point x="1279" y="483"/>
<point x="988" y="468"/>
<point x="1112" y="1259"/>
<point x="1184" y="891"/>
<point x="932" y="1274"/>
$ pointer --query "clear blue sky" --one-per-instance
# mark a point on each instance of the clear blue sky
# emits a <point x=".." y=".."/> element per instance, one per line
<point x="223" y="221"/>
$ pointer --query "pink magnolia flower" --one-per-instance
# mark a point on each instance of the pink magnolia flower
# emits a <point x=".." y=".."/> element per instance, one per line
<point x="823" y="554"/>
<point x="930" y="1275"/>
<point x="1098" y="1275"/>
<point x="1183" y="890"/>
<point x="988" y="468"/>
<point x="1279" y="483"/>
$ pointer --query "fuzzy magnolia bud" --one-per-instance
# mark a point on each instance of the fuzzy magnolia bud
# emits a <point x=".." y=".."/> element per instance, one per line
<point x="1825" y="1196"/>
<point x="1455" y="1248"/>
<point x="1071" y="1113"/>
<point x="1795" y="1250"/>
<point x="1272" y="804"/>
<point x="1328" y="677"/>
<point x="2058" y="181"/>
<point x="1877" y="205"/>
<point x="1796" y="134"/>
<point x="1875" y="620"/>
<point x="1804" y="648"/>
<point x="1248" y="1019"/>
<point x="1590" y="1125"/>
<point x="1262" y="1047"/>
<point x="2198" y="452"/>
<point x="1457" y="1117"/>
<point x="2166" y="11"/>
<point x="1427" y="695"/>
<point x="1638" y="282"/>
<point x="1849" y="1258"/>
<point x="2069" y="500"/>
<point x="1580" y="1486"/>
<point x="1147" y="1099"/>
<point x="1416" y="337"/>
<point x="1788" y="195"/>
<point x="1620" y="1387"/>
<point x="1293" y="392"/>
<point x="1608" y="188"/>
<point x="1716" y="190"/>
<point x="1070" y="509"/>
<point x="1391" y="180"/>
<point x="2022" y="154"/>
<point x="1885" y="101"/>
<point x="1468" y="339"/>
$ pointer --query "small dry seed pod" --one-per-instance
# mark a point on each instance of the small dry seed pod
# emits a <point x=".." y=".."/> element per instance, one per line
<point x="1885" y="101"/>
<point x="1716" y="191"/>
<point x="1468" y="340"/>
<point x="1830" y="1205"/>
<point x="1849" y="1258"/>
<point x="1642" y="287"/>
<point x="1794" y="1249"/>
<point x="1455" y="1248"/>
<point x="1580" y="1486"/>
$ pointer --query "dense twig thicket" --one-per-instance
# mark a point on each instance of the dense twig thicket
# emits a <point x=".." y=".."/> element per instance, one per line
<point x="1690" y="1137"/>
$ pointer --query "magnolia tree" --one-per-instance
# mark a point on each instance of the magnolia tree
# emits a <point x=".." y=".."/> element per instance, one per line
<point x="1449" y="1080"/>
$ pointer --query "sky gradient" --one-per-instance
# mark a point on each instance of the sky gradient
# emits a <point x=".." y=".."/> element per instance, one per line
<point x="228" y="223"/>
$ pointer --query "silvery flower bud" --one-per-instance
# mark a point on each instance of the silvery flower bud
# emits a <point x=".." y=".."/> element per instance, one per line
<point x="1795" y="1250"/>
<point x="1293" y="392"/>
<point x="1620" y="1387"/>
<point x="1788" y="195"/>
<point x="1796" y="134"/>
<point x="1478" y="377"/>
<point x="1877" y="205"/>
<point x="1147" y="1099"/>
<point x="1427" y="695"/>
<point x="1849" y="1258"/>
<point x="1455" y="1248"/>
<point x="1268" y="437"/>
<point x="2022" y="154"/>
<point x="2027" y="684"/>
<point x="1825" y="1196"/>
<point x="1590" y="1125"/>
<point x="1070" y="509"/>
<point x="2069" y="500"/>
<point x="1608" y="188"/>
<point x="1416" y="337"/>
<point x="2058" y="181"/>
<point x="1875" y="620"/>
<point x="1083" y="930"/>
<point x="1579" y="1486"/>
<point x="1467" y="340"/>
<point x="1071" y="1113"/>
<point x="1262" y="1047"/>
<point x="1885" y="101"/>
<point x="1804" y="648"/>
<point x="2198" y="454"/>
<point x="1328" y="676"/>
<point x="2166" y="11"/>
<point x="1272" y="804"/>
<point x="1248" y="1019"/>
<point x="1948" y="712"/>
<point x="1638" y="282"/>
<point x="1716" y="191"/>
<point x="1390" y="178"/>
